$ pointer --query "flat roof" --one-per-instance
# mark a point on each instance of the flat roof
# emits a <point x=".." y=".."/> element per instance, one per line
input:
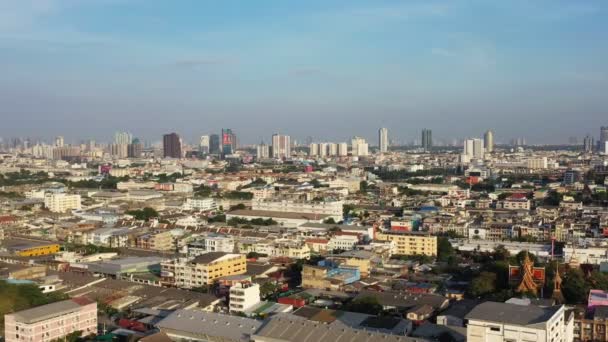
<point x="47" y="311"/>
<point x="512" y="313"/>
<point x="278" y="214"/>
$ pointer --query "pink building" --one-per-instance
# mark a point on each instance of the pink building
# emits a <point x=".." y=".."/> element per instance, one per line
<point x="596" y="298"/>
<point x="52" y="321"/>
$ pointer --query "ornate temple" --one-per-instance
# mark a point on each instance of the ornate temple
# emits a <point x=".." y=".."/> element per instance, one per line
<point x="557" y="287"/>
<point x="528" y="284"/>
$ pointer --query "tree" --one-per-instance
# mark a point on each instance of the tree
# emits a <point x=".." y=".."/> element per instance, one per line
<point x="444" y="249"/>
<point x="143" y="214"/>
<point x="574" y="287"/>
<point x="483" y="285"/>
<point x="330" y="220"/>
<point x="501" y="253"/>
<point x="268" y="289"/>
<point x="367" y="305"/>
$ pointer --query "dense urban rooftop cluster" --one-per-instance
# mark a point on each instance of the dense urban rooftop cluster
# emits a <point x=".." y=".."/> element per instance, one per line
<point x="288" y="242"/>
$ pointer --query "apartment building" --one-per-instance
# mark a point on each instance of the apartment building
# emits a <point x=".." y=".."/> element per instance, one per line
<point x="493" y="321"/>
<point x="244" y="296"/>
<point x="203" y="269"/>
<point x="158" y="241"/>
<point x="410" y="243"/>
<point x="331" y="208"/>
<point x="591" y="326"/>
<point x="210" y="243"/>
<point x="61" y="203"/>
<point x="52" y="321"/>
<point x="343" y="242"/>
<point x="199" y="203"/>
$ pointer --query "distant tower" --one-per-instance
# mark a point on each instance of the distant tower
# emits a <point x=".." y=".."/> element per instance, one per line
<point x="281" y="146"/>
<point x="488" y="141"/>
<point x="427" y="139"/>
<point x="383" y="140"/>
<point x="59" y="141"/>
<point x="588" y="143"/>
<point x="172" y="146"/>
<point x="603" y="139"/>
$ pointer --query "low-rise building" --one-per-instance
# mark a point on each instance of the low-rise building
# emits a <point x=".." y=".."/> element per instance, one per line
<point x="244" y="296"/>
<point x="52" y="321"/>
<point x="61" y="202"/>
<point x="203" y="269"/>
<point x="411" y="243"/>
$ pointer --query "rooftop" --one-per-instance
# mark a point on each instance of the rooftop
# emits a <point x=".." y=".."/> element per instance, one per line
<point x="523" y="315"/>
<point x="47" y="311"/>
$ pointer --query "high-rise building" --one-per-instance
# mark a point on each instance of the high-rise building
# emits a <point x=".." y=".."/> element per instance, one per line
<point x="228" y="141"/>
<point x="136" y="148"/>
<point x="214" y="144"/>
<point x="59" y="141"/>
<point x="488" y="141"/>
<point x="473" y="148"/>
<point x="383" y="140"/>
<point x="342" y="149"/>
<point x="172" y="146"/>
<point x="203" y="145"/>
<point x="588" y="143"/>
<point x="427" y="139"/>
<point x="603" y="138"/>
<point x="281" y="146"/>
<point x="313" y="150"/>
<point x="332" y="149"/>
<point x="119" y="150"/>
<point x="359" y="147"/>
<point x="123" y="138"/>
<point x="322" y="150"/>
<point x="263" y="151"/>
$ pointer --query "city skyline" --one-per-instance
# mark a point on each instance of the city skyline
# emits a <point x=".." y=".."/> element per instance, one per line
<point x="86" y="69"/>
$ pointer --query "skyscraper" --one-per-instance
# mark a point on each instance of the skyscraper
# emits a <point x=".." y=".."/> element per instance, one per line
<point x="359" y="147"/>
<point x="383" y="140"/>
<point x="59" y="141"/>
<point x="262" y="151"/>
<point x="603" y="138"/>
<point x="135" y="148"/>
<point x="172" y="146"/>
<point x="204" y="144"/>
<point x="214" y="144"/>
<point x="427" y="139"/>
<point x="228" y="141"/>
<point x="123" y="138"/>
<point x="281" y="146"/>
<point x="588" y="143"/>
<point x="488" y="141"/>
<point x="473" y="148"/>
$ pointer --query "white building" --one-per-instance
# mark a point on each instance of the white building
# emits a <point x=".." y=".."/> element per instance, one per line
<point x="61" y="203"/>
<point x="313" y="150"/>
<point x="383" y="140"/>
<point x="333" y="208"/>
<point x="199" y="203"/>
<point x="359" y="147"/>
<point x="503" y="322"/>
<point x="473" y="148"/>
<point x="263" y="151"/>
<point x="281" y="146"/>
<point x="586" y="255"/>
<point x="110" y="237"/>
<point x="342" y="149"/>
<point x="244" y="296"/>
<point x="343" y="242"/>
<point x="537" y="163"/>
<point x="211" y="243"/>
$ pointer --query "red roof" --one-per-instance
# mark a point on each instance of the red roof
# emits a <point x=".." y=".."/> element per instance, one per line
<point x="317" y="241"/>
<point x="518" y="196"/>
<point x="82" y="301"/>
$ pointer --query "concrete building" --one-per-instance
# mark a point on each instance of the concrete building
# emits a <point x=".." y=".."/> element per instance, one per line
<point x="172" y="146"/>
<point x="411" y="243"/>
<point x="488" y="141"/>
<point x="262" y="151"/>
<point x="497" y="322"/>
<point x="427" y="139"/>
<point x="383" y="140"/>
<point x="61" y="203"/>
<point x="158" y="241"/>
<point x="203" y="144"/>
<point x="342" y="149"/>
<point x="473" y="148"/>
<point x="200" y="203"/>
<point x="210" y="243"/>
<point x="332" y="208"/>
<point x="359" y="147"/>
<point x="244" y="296"/>
<point x="343" y="242"/>
<point x="281" y="146"/>
<point x="203" y="269"/>
<point x="52" y="321"/>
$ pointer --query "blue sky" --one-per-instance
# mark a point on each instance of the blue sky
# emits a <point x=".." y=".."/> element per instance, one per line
<point x="326" y="69"/>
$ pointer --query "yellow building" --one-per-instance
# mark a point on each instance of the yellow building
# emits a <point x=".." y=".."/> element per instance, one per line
<point x="203" y="269"/>
<point x="32" y="249"/>
<point x="411" y="243"/>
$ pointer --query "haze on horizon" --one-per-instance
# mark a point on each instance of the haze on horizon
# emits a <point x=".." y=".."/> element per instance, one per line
<point x="326" y="69"/>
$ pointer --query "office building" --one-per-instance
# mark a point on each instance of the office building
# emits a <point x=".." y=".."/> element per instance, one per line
<point x="203" y="144"/>
<point x="172" y="146"/>
<point x="119" y="150"/>
<point x="359" y="147"/>
<point x="244" y="296"/>
<point x="214" y="144"/>
<point x="383" y="140"/>
<point x="203" y="269"/>
<point x="473" y="148"/>
<point x="61" y="202"/>
<point x="488" y="141"/>
<point x="281" y="146"/>
<point x="427" y="139"/>
<point x="229" y="143"/>
<point x="493" y="321"/>
<point x="52" y="322"/>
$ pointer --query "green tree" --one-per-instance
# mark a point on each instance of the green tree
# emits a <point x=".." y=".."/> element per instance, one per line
<point x="329" y="220"/>
<point x="483" y="285"/>
<point x="574" y="287"/>
<point x="143" y="214"/>
<point x="367" y="305"/>
<point x="501" y="253"/>
<point x="267" y="289"/>
<point x="444" y="249"/>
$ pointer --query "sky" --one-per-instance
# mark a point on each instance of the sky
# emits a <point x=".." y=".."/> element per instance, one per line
<point x="328" y="69"/>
